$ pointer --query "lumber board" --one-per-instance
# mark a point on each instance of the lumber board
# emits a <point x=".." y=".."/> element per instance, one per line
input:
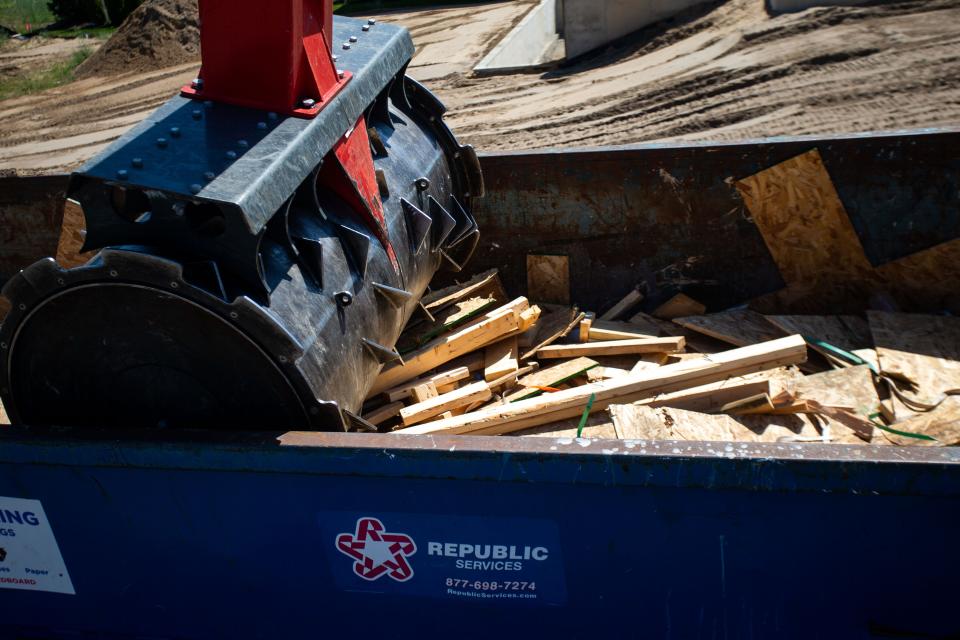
<point x="667" y="423"/>
<point x="487" y="282"/>
<point x="495" y="326"/>
<point x="500" y="358"/>
<point x="620" y="309"/>
<point x="710" y="398"/>
<point x="382" y="414"/>
<point x="803" y="222"/>
<point x="739" y="327"/>
<point x="4" y="418"/>
<point x="678" y="306"/>
<point x="922" y="348"/>
<point x="445" y="320"/>
<point x="846" y="332"/>
<point x="475" y="392"/>
<point x="550" y="377"/>
<point x="441" y="379"/>
<point x="612" y="348"/>
<point x="605" y="373"/>
<point x="568" y="403"/>
<point x="645" y="323"/>
<point x="584" y="327"/>
<point x="553" y="326"/>
<point x="548" y="278"/>
<point x="695" y="340"/>
<point x="423" y="392"/>
<point x="602" y="330"/>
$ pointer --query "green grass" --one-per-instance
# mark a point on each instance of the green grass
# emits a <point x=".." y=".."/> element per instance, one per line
<point x="17" y="14"/>
<point x="89" y="32"/>
<point x="60" y="73"/>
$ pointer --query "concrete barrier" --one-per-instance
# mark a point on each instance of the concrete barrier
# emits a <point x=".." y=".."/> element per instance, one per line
<point x="533" y="42"/>
<point x="588" y="24"/>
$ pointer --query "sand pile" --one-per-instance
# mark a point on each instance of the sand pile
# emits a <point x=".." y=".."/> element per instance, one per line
<point x="160" y="33"/>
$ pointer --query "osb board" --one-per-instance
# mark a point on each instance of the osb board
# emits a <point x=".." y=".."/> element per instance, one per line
<point x="803" y="222"/>
<point x="598" y="426"/>
<point x="72" y="232"/>
<point x="924" y="348"/>
<point x="846" y="332"/>
<point x="548" y="278"/>
<point x="663" y="423"/>
<point x="926" y="280"/>
<point x="739" y="327"/>
<point x="851" y="387"/>
<point x="3" y="415"/>
<point x="943" y="423"/>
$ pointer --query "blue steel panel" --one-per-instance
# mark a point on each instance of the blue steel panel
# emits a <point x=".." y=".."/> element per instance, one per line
<point x="183" y="540"/>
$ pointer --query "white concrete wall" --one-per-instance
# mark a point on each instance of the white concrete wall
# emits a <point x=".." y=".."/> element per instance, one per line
<point x="527" y="43"/>
<point x="589" y="24"/>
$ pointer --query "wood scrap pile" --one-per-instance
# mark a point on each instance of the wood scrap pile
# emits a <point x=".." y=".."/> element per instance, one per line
<point x="479" y="363"/>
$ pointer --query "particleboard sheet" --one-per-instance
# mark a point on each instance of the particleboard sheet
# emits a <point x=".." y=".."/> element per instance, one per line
<point x="548" y="278"/>
<point x="927" y="279"/>
<point x="846" y="332"/>
<point x="664" y="423"/>
<point x="924" y="348"/>
<point x="739" y="327"/>
<point x="803" y="222"/>
<point x="943" y="423"/>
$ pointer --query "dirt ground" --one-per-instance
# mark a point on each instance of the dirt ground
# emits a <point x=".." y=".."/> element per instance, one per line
<point x="722" y="71"/>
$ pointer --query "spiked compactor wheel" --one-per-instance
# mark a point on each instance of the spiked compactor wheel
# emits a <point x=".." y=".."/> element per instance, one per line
<point x="257" y="261"/>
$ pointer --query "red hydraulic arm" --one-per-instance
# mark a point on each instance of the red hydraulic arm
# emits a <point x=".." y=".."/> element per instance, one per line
<point x="273" y="55"/>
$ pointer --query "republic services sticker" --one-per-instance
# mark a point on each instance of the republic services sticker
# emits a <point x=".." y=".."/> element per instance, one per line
<point x="29" y="556"/>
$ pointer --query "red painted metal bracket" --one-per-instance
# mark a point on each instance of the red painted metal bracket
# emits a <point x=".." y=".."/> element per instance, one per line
<point x="349" y="172"/>
<point x="273" y="56"/>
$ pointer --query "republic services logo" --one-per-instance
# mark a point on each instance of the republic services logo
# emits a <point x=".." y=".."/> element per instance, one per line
<point x="376" y="552"/>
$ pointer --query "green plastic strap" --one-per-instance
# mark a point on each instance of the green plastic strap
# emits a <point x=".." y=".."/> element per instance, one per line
<point x="841" y="353"/>
<point x="907" y="434"/>
<point x="586" y="414"/>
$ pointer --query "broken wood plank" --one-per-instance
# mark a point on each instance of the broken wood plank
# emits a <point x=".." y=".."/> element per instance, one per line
<point x="552" y="327"/>
<point x="495" y="326"/>
<point x="487" y="282"/>
<point x="924" y="349"/>
<point x="382" y="414"/>
<point x="605" y="373"/>
<point x="512" y="377"/>
<point x="441" y="379"/>
<point x="739" y="327"/>
<point x="548" y="278"/>
<point x="627" y="303"/>
<point x="759" y="403"/>
<point x="500" y="358"/>
<point x="569" y="403"/>
<point x="612" y="348"/>
<point x="475" y="392"/>
<point x="678" y="306"/>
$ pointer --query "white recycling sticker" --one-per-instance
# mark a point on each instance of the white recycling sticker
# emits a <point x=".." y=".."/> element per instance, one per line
<point x="29" y="555"/>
